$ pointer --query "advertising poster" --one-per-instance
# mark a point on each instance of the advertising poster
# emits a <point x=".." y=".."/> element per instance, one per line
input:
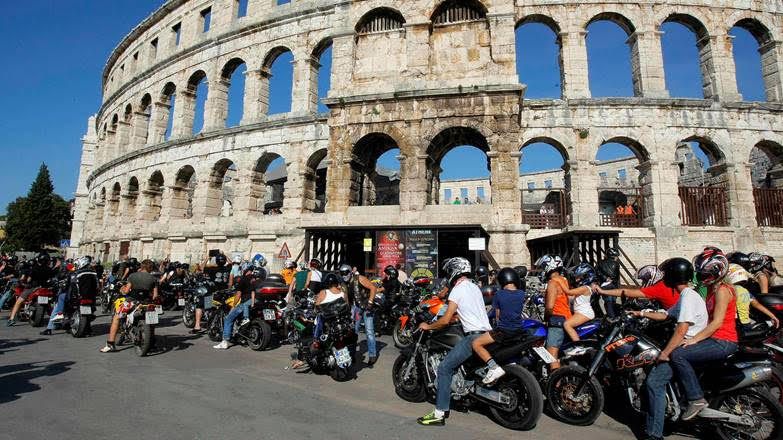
<point x="421" y="255"/>
<point x="390" y="249"/>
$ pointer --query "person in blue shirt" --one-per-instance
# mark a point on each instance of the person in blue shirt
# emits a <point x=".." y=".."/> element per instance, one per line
<point x="507" y="304"/>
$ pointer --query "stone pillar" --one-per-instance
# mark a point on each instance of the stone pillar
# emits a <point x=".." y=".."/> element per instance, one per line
<point x="771" y="69"/>
<point x="742" y="206"/>
<point x="504" y="181"/>
<point x="253" y="110"/>
<point x="293" y="193"/>
<point x="647" y="192"/>
<point x="204" y="204"/>
<point x="81" y="196"/>
<point x="666" y="194"/>
<point x="647" y="64"/>
<point x="184" y="112"/>
<point x="246" y="196"/>
<point x="503" y="44"/>
<point x="139" y="130"/>
<point x="584" y="193"/>
<point x="160" y="120"/>
<point x="338" y="185"/>
<point x="123" y="137"/>
<point x="343" y="62"/>
<point x="413" y="182"/>
<point x="723" y="78"/>
<point x="305" y="87"/>
<point x="573" y="64"/>
<point x="110" y="145"/>
<point x="216" y="108"/>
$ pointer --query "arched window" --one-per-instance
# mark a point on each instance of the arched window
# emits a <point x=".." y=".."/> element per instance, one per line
<point x="198" y="88"/>
<point x="323" y="76"/>
<point x="279" y="77"/>
<point x="703" y="183"/>
<point x="624" y="193"/>
<point x="380" y="20"/>
<point x="168" y="99"/>
<point x="220" y="197"/>
<point x="538" y="49"/>
<point x="154" y="194"/>
<point x="182" y="193"/>
<point x="767" y="173"/>
<point x="145" y="112"/>
<point x="315" y="182"/>
<point x="458" y="154"/>
<point x="234" y="76"/>
<point x="114" y="199"/>
<point x="458" y="11"/>
<point x="268" y="184"/>
<point x="687" y="57"/>
<point x="545" y="183"/>
<point x="753" y="58"/>
<point x="132" y="193"/>
<point x="609" y="57"/>
<point x="372" y="182"/>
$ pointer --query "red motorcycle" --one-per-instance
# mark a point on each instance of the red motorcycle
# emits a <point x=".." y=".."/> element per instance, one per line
<point x="38" y="305"/>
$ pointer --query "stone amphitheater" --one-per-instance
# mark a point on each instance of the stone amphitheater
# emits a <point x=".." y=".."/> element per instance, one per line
<point x="424" y="77"/>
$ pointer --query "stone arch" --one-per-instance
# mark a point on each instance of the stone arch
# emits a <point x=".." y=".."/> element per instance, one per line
<point x="456" y="11"/>
<point x="546" y="193"/>
<point x="101" y="204"/>
<point x="267" y="184"/>
<point x="616" y="18"/>
<point x="703" y="47"/>
<point x="132" y="195"/>
<point x="766" y="159"/>
<point x="114" y="199"/>
<point x="165" y="107"/>
<point x="154" y="196"/>
<point x="381" y="19"/>
<point x="596" y="69"/>
<point x="443" y="142"/>
<point x="369" y="184"/>
<point x="768" y="70"/>
<point x="538" y="85"/>
<point x="314" y="186"/>
<point x="194" y="105"/>
<point x="232" y="89"/>
<point x="141" y="125"/>
<point x="128" y="114"/>
<point x="554" y="143"/>
<point x="182" y="192"/>
<point x="269" y="80"/>
<point x="633" y="180"/>
<point x="220" y="189"/>
<point x="320" y="74"/>
<point x="704" y="189"/>
<point x="546" y="20"/>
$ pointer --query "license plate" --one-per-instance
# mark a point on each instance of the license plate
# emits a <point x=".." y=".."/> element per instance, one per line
<point x="343" y="357"/>
<point x="85" y="310"/>
<point x="159" y="310"/>
<point x="151" y="317"/>
<point x="43" y="300"/>
<point x="181" y="302"/>
<point x="269" y="315"/>
<point x="544" y="355"/>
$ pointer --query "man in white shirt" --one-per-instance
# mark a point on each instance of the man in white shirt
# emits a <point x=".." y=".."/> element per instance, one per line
<point x="467" y="302"/>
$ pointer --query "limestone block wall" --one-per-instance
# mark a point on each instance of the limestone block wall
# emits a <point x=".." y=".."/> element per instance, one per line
<point x="423" y="76"/>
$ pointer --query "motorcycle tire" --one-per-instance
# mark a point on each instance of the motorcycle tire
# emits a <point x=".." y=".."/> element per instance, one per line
<point x="78" y="325"/>
<point x="560" y="390"/>
<point x="752" y="398"/>
<point x="343" y="374"/>
<point x="527" y="403"/>
<point x="261" y="333"/>
<point x="105" y="304"/>
<point x="401" y="340"/>
<point x="169" y="302"/>
<point x="189" y="315"/>
<point x="215" y="331"/>
<point x="775" y="384"/>
<point x="145" y="336"/>
<point x="415" y="389"/>
<point x="37" y="318"/>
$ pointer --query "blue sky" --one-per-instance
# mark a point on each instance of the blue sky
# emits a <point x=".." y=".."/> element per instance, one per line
<point x="55" y="51"/>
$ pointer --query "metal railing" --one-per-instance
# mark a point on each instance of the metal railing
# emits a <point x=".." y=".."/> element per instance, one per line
<point x="704" y="206"/>
<point x="769" y="206"/>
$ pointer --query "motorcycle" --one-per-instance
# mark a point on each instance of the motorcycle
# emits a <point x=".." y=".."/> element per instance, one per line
<point x="426" y="311"/>
<point x="39" y="304"/>
<point x="515" y="400"/>
<point x="271" y="320"/>
<point x="739" y="404"/>
<point x="109" y="294"/>
<point x="79" y="312"/>
<point x="137" y="325"/>
<point x="192" y="296"/>
<point x="335" y="348"/>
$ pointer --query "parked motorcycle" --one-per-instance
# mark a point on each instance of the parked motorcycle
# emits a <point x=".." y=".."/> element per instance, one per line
<point x="39" y="304"/>
<point x="137" y="325"/>
<point x="427" y="310"/>
<point x="109" y="293"/>
<point x="514" y="401"/>
<point x="334" y="350"/>
<point x="79" y="311"/>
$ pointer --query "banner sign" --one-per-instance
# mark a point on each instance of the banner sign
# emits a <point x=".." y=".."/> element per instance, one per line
<point x="421" y="256"/>
<point x="390" y="249"/>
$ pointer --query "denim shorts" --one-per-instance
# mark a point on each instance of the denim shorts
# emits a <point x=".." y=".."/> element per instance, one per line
<point x="554" y="337"/>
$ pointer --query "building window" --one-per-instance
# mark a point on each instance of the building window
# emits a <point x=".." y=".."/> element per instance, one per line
<point x="206" y="19"/>
<point x="480" y="193"/>
<point x="604" y="177"/>
<point x="176" y="30"/>
<point x="463" y="192"/>
<point x="531" y="186"/>
<point x="282" y="2"/>
<point x="380" y="20"/>
<point x="154" y="49"/>
<point x="457" y="11"/>
<point x="241" y="8"/>
<point x="447" y="195"/>
<point x="548" y="183"/>
<point x="622" y="175"/>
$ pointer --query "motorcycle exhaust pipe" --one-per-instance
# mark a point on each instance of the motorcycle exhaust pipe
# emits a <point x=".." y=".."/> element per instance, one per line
<point x="752" y="375"/>
<point x="491" y="395"/>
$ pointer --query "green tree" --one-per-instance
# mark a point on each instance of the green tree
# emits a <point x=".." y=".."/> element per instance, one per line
<point x="41" y="219"/>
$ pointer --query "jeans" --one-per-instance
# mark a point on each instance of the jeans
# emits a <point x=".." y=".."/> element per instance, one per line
<point x="656" y="383"/>
<point x="228" y="321"/>
<point x="684" y="358"/>
<point x="9" y="292"/>
<point x="369" y="328"/>
<point x="58" y="308"/>
<point x="459" y="354"/>
<point x="609" y="305"/>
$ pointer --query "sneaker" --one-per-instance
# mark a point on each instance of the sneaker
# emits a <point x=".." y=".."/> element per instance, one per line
<point x="222" y="346"/>
<point x="694" y="408"/>
<point x="10" y="323"/>
<point x="493" y="374"/>
<point x="107" y="349"/>
<point x="244" y="322"/>
<point x="58" y="317"/>
<point x="46" y="332"/>
<point x="431" y="420"/>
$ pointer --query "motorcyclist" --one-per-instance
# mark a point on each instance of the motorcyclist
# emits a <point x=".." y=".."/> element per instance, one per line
<point x="738" y="277"/>
<point x="314" y="276"/>
<point x="82" y="280"/>
<point x="556" y="307"/>
<point x="359" y="289"/>
<point x="390" y="285"/>
<point x="299" y="283"/>
<point x="608" y="271"/>
<point x="9" y="275"/>
<point x="219" y="275"/>
<point x="466" y="300"/>
<point x="764" y="272"/>
<point x="652" y="288"/>
<point x="141" y="285"/>
<point x="333" y="291"/>
<point x="288" y="272"/>
<point x="690" y="313"/>
<point x="40" y="272"/>
<point x="63" y="286"/>
<point x="246" y="287"/>
<point x="482" y="276"/>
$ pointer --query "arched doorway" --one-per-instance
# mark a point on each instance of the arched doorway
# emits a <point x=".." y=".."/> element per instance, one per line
<point x="624" y="186"/>
<point x="268" y="184"/>
<point x="766" y="158"/>
<point x="375" y="182"/>
<point x="315" y="182"/>
<point x="545" y="183"/>
<point x="458" y="156"/>
<point x="703" y="183"/>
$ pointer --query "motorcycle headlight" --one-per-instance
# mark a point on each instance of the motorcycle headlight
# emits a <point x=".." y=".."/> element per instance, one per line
<point x="202" y="290"/>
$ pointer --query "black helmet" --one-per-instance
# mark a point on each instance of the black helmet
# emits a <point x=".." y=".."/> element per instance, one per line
<point x="740" y="258"/>
<point x="220" y="260"/>
<point x="508" y="275"/>
<point x="482" y="272"/>
<point x="184" y="266"/>
<point x="14" y="260"/>
<point x="331" y="279"/>
<point x="676" y="271"/>
<point x="133" y="261"/>
<point x="391" y="272"/>
<point x="345" y="272"/>
<point x="521" y="271"/>
<point x="43" y="259"/>
<point x="612" y="252"/>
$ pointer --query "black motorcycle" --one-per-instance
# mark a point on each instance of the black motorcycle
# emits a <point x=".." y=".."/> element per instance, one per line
<point x="334" y="350"/>
<point x="79" y="311"/>
<point x="109" y="293"/>
<point x="739" y="404"/>
<point x="515" y="400"/>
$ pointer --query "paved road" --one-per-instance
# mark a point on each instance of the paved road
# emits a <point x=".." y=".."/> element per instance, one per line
<point x="61" y="387"/>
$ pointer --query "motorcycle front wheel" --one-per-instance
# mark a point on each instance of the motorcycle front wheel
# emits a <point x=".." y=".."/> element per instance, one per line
<point x="403" y="336"/>
<point x="526" y="402"/>
<point x="144" y="337"/>
<point x="215" y="331"/>
<point x="581" y="410"/>
<point x="412" y="389"/>
<point x="763" y="410"/>
<point x="189" y="315"/>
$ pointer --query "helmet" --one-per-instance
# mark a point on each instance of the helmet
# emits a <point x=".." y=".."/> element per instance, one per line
<point x="315" y="263"/>
<point x="345" y="272"/>
<point x="259" y="261"/>
<point x="82" y="262"/>
<point x="759" y="262"/>
<point x="612" y="252"/>
<point x="676" y="271"/>
<point x="220" y="260"/>
<point x="133" y="262"/>
<point x="289" y="264"/>
<point x="456" y="267"/>
<point x="331" y="279"/>
<point x="736" y="274"/>
<point x="548" y="264"/>
<point x="43" y="259"/>
<point x="710" y="265"/>
<point x="237" y="259"/>
<point x="482" y="272"/>
<point x="521" y="271"/>
<point x="391" y="272"/>
<point x="302" y="265"/>
<point x="258" y="273"/>
<point x="14" y="260"/>
<point x="184" y="266"/>
<point x="739" y="258"/>
<point x="508" y="275"/>
<point x="584" y="274"/>
<point x="649" y="275"/>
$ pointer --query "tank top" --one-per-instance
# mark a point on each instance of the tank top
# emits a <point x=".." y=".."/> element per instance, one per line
<point x="561" y="307"/>
<point x="728" y="329"/>
<point x="331" y="296"/>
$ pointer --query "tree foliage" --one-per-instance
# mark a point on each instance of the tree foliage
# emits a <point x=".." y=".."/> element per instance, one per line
<point x="41" y="219"/>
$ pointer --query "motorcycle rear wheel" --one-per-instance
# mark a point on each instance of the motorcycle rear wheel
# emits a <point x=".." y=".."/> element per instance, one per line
<point x="37" y="318"/>
<point x="144" y="338"/>
<point x="259" y="335"/>
<point x="403" y="337"/>
<point x="79" y="324"/>
<point x="580" y="410"/>
<point x="189" y="315"/>
<point x="527" y="400"/>
<point x="765" y="411"/>
<point x="215" y="331"/>
<point x="414" y="389"/>
<point x="342" y="374"/>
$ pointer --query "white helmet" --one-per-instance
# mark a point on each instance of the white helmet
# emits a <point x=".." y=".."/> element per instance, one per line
<point x="649" y="275"/>
<point x="548" y="264"/>
<point x="289" y="264"/>
<point x="82" y="262"/>
<point x="454" y="267"/>
<point x="736" y="274"/>
<point x="237" y="259"/>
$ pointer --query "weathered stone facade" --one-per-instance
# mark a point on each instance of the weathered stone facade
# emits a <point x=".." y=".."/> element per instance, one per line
<point x="424" y="77"/>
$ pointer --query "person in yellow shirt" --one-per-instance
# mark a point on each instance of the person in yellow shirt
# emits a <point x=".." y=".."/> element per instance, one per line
<point x="289" y="272"/>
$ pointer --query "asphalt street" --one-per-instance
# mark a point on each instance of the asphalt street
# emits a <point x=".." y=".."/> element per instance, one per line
<point x="62" y="387"/>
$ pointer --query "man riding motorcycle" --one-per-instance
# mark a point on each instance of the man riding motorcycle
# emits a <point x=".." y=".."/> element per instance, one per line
<point x="465" y="299"/>
<point x="82" y="279"/>
<point x="40" y="273"/>
<point x="362" y="292"/>
<point x="9" y="275"/>
<point x="140" y="285"/>
<point x="246" y="287"/>
<point x="219" y="275"/>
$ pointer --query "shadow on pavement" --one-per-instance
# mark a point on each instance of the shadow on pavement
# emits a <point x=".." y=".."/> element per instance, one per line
<point x="7" y="344"/>
<point x="167" y="343"/>
<point x="13" y="385"/>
